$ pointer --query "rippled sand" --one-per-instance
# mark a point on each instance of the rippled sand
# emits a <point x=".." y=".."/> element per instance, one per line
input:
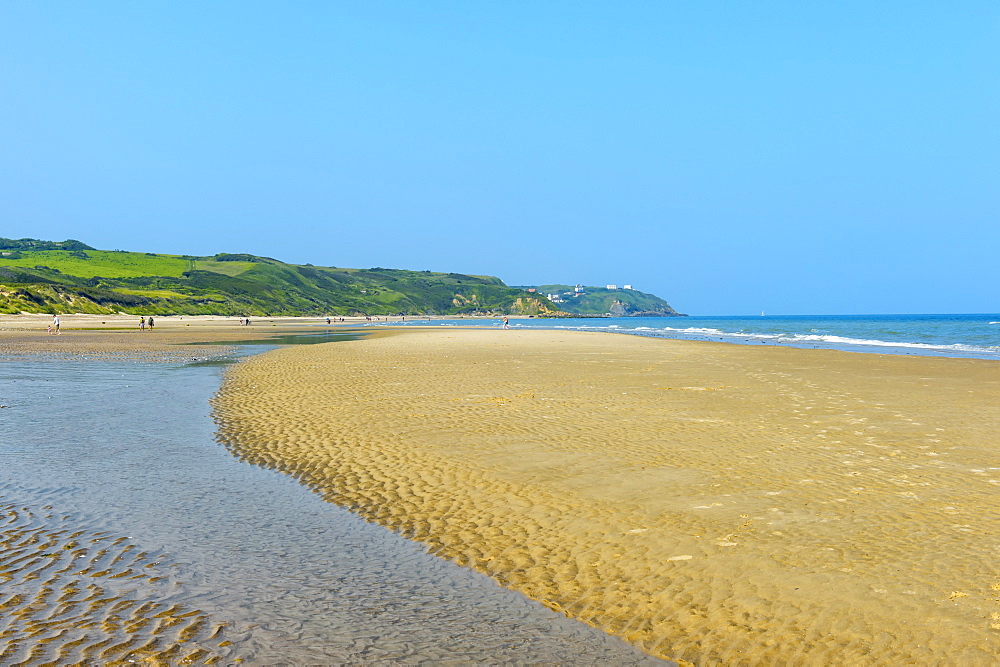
<point x="71" y="594"/>
<point x="164" y="549"/>
<point x="706" y="502"/>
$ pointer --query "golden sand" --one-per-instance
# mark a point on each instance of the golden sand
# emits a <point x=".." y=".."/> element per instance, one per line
<point x="707" y="502"/>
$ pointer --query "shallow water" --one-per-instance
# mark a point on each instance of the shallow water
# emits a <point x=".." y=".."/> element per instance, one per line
<point x="324" y="336"/>
<point x="129" y="449"/>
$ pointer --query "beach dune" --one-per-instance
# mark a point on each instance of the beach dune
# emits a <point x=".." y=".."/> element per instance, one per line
<point x="706" y="502"/>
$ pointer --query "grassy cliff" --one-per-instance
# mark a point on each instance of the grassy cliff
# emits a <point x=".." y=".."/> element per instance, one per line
<point x="69" y="276"/>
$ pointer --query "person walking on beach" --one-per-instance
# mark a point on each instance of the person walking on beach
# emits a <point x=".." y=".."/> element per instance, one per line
<point x="142" y="324"/>
<point x="55" y="325"/>
<point x="150" y="323"/>
<point x="506" y="323"/>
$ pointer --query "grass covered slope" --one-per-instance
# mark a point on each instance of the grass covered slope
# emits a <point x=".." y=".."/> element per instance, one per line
<point x="43" y="276"/>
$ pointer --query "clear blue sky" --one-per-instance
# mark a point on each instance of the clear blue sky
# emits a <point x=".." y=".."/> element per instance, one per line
<point x="798" y="157"/>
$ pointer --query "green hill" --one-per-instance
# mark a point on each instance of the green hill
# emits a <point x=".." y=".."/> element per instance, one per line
<point x="72" y="277"/>
<point x="603" y="301"/>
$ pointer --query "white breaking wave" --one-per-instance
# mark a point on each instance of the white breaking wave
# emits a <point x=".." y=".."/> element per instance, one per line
<point x="842" y="340"/>
<point x="793" y="339"/>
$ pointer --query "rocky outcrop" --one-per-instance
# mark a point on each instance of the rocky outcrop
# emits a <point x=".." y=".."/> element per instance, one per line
<point x="531" y="306"/>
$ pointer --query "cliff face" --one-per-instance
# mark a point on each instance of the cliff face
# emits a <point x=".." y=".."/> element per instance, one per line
<point x="531" y="306"/>
<point x="59" y="299"/>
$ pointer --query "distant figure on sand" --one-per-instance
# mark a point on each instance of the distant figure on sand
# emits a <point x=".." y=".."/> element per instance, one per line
<point x="150" y="322"/>
<point x="55" y="325"/>
<point x="506" y="323"/>
<point x="142" y="324"/>
<point x="328" y="320"/>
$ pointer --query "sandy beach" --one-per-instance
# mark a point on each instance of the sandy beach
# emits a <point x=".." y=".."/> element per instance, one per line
<point x="706" y="502"/>
<point x="129" y="534"/>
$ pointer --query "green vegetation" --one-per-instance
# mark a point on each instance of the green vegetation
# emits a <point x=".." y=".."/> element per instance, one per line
<point x="35" y="244"/>
<point x="67" y="277"/>
<point x="602" y="301"/>
<point x="104" y="263"/>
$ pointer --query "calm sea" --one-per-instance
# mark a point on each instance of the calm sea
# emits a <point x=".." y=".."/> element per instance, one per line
<point x="976" y="336"/>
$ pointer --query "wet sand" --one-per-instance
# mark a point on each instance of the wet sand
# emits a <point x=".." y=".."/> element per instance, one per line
<point x="706" y="502"/>
<point x="118" y="337"/>
<point x="128" y="533"/>
<point x="70" y="593"/>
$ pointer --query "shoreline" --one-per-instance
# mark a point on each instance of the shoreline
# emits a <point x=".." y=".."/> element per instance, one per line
<point x="82" y="323"/>
<point x="788" y="332"/>
<point x="313" y="583"/>
<point x="173" y="339"/>
<point x="122" y="321"/>
<point x="703" y="501"/>
<point x="179" y="339"/>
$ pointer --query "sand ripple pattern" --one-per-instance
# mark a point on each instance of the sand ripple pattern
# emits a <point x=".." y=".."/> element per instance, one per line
<point x="706" y="502"/>
<point x="70" y="595"/>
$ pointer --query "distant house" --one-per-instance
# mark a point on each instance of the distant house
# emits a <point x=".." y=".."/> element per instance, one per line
<point x="554" y="298"/>
<point x="611" y="286"/>
<point x="531" y="289"/>
<point x="578" y="289"/>
<point x="627" y="287"/>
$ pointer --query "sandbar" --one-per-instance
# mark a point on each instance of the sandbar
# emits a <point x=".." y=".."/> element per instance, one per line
<point x="706" y="502"/>
<point x="106" y="556"/>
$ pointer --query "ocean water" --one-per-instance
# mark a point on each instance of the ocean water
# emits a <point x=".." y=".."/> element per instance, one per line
<point x="976" y="336"/>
